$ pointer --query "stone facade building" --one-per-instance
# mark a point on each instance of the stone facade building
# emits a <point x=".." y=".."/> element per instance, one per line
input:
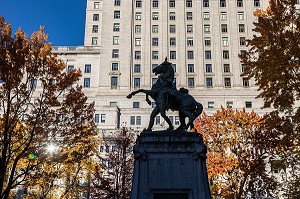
<point x="125" y="39"/>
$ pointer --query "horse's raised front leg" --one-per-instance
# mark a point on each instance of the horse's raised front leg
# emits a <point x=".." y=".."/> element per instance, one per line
<point x="152" y="117"/>
<point x="147" y="92"/>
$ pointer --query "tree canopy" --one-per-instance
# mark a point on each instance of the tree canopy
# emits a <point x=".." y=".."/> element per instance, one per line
<point x="41" y="105"/>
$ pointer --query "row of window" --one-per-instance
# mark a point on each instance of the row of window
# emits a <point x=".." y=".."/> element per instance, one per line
<point x="189" y="41"/>
<point x="172" y="28"/>
<point x="189" y="16"/>
<point x="211" y="104"/>
<point x="189" y="3"/>
<point x="87" y="68"/>
<point x="107" y="149"/>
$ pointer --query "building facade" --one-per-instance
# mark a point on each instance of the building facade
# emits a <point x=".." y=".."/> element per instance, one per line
<point x="125" y="40"/>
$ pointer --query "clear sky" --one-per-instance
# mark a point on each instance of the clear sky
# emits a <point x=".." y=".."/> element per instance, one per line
<point x="63" y="19"/>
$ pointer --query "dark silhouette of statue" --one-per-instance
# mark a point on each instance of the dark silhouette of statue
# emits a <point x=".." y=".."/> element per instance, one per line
<point x="166" y="97"/>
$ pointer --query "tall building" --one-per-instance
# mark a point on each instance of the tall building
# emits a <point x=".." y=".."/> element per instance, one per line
<point x="125" y="40"/>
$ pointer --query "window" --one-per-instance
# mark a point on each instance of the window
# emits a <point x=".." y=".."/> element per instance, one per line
<point x="70" y="67"/>
<point x="190" y="41"/>
<point x="113" y="148"/>
<point x="225" y="41"/>
<point x="242" y="41"/>
<point x="116" y="27"/>
<point x="297" y="1"/>
<point x="155" y="15"/>
<point x="97" y="120"/>
<point x="243" y="53"/>
<point x="33" y="84"/>
<point x="114" y="66"/>
<point x="224" y="27"/>
<point x="115" y="53"/>
<point x="210" y="105"/>
<point x="137" y="55"/>
<point x="257" y="3"/>
<point x="86" y="82"/>
<point x="96" y="5"/>
<point x="138" y="29"/>
<point x="137" y="41"/>
<point x="209" y="82"/>
<point x="226" y="68"/>
<point x="243" y="67"/>
<point x="227" y="82"/>
<point x="154" y="41"/>
<point x="172" y="54"/>
<point x="174" y="68"/>
<point x="155" y="4"/>
<point x="117" y="2"/>
<point x="172" y="41"/>
<point x="223" y="16"/>
<point x="172" y="4"/>
<point x="177" y="121"/>
<point x="132" y="120"/>
<point x="240" y="15"/>
<point x="154" y="54"/>
<point x="190" y="68"/>
<point x="225" y="54"/>
<point x="172" y="29"/>
<point x="138" y="120"/>
<point x="206" y="3"/>
<point x="189" y="15"/>
<point x="189" y="28"/>
<point x="153" y="104"/>
<point x="241" y="28"/>
<point x="113" y="104"/>
<point x="103" y="117"/>
<point x="171" y="119"/>
<point x="155" y="29"/>
<point x="207" y="28"/>
<point x="154" y="66"/>
<point x="87" y="68"/>
<point x="246" y="82"/>
<point x="206" y="16"/>
<point x="136" y="105"/>
<point x="136" y="82"/>
<point x="94" y="40"/>
<point x="207" y="41"/>
<point x="189" y="3"/>
<point x="137" y="68"/>
<point x="208" y="68"/>
<point x="114" y="82"/>
<point x="208" y="54"/>
<point x="222" y="3"/>
<point x="138" y="16"/>
<point x="191" y="82"/>
<point x="229" y="104"/>
<point x="154" y="80"/>
<point x="172" y="16"/>
<point x="248" y="104"/>
<point x="117" y="14"/>
<point x="95" y="17"/>
<point x="157" y="120"/>
<point x="239" y="3"/>
<point x="190" y="54"/>
<point x="138" y="4"/>
<point x="116" y="40"/>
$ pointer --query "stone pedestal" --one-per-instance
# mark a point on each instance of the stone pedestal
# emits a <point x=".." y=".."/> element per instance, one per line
<point x="170" y="165"/>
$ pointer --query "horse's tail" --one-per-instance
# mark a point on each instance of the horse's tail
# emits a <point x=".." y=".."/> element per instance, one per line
<point x="198" y="111"/>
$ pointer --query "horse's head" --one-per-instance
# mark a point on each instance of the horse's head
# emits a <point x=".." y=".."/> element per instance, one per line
<point x="163" y="67"/>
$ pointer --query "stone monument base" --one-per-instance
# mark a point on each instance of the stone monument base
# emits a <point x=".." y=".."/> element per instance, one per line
<point x="170" y="165"/>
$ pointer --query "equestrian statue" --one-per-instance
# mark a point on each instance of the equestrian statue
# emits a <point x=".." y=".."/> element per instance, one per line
<point x="166" y="97"/>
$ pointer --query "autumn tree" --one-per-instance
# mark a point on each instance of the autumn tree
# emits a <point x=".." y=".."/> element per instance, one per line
<point x="237" y="153"/>
<point x="41" y="106"/>
<point x="113" y="178"/>
<point x="273" y="61"/>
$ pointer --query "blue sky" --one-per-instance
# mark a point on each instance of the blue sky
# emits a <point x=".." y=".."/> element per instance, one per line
<point x="63" y="19"/>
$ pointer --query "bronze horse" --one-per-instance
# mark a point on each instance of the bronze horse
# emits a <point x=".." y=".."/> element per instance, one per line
<point x="166" y="96"/>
